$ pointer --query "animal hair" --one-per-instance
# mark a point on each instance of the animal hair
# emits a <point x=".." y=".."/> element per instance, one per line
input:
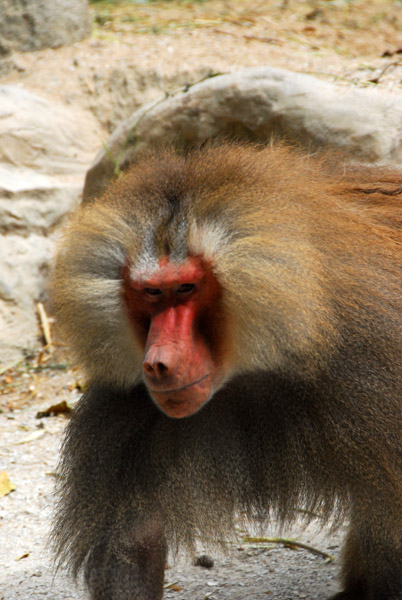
<point x="309" y="263"/>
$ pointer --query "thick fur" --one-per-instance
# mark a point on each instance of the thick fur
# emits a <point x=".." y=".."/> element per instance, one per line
<point x="311" y="414"/>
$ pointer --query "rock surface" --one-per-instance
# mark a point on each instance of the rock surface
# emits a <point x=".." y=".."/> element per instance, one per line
<point x="45" y="150"/>
<point x="31" y="24"/>
<point x="257" y="104"/>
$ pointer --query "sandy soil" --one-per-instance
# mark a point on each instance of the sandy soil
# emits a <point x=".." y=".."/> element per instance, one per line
<point x="137" y="51"/>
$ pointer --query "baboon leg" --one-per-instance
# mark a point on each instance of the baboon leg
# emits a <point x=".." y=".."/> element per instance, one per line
<point x="129" y="571"/>
<point x="372" y="565"/>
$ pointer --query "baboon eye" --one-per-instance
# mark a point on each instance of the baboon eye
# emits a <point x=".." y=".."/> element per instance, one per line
<point x="152" y="291"/>
<point x="186" y="288"/>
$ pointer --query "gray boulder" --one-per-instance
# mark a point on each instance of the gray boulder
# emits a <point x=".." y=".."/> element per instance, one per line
<point x="32" y="24"/>
<point x="45" y="150"/>
<point x="256" y="104"/>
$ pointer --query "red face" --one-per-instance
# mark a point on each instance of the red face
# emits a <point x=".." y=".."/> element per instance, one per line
<point x="177" y="317"/>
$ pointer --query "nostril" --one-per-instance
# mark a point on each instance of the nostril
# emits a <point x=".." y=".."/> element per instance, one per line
<point x="160" y="369"/>
<point x="148" y="368"/>
<point x="157" y="369"/>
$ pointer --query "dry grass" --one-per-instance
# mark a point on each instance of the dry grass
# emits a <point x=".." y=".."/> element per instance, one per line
<point x="351" y="27"/>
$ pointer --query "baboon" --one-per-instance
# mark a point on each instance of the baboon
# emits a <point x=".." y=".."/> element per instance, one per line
<point x="238" y="313"/>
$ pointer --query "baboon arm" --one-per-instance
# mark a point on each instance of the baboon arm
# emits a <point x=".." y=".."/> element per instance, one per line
<point x="128" y="569"/>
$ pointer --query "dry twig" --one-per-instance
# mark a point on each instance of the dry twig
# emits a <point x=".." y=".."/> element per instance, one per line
<point x="384" y="70"/>
<point x="45" y="324"/>
<point x="288" y="542"/>
<point x="245" y="36"/>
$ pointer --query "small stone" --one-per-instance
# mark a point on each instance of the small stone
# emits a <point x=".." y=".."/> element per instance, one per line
<point x="204" y="561"/>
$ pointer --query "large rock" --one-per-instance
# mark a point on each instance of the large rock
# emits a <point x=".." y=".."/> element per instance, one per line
<point x="256" y="104"/>
<point x="24" y="267"/>
<point x="32" y="24"/>
<point x="45" y="150"/>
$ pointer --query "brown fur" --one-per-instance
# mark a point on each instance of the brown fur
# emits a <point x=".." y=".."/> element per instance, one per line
<point x="310" y="415"/>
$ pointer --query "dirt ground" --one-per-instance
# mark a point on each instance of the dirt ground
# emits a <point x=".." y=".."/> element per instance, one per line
<point x="351" y="42"/>
<point x="138" y="50"/>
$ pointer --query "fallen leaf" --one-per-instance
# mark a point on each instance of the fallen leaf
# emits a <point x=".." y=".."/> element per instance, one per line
<point x="309" y="28"/>
<point x="5" y="484"/>
<point x="55" y="409"/>
<point x="32" y="436"/>
<point x="172" y="586"/>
